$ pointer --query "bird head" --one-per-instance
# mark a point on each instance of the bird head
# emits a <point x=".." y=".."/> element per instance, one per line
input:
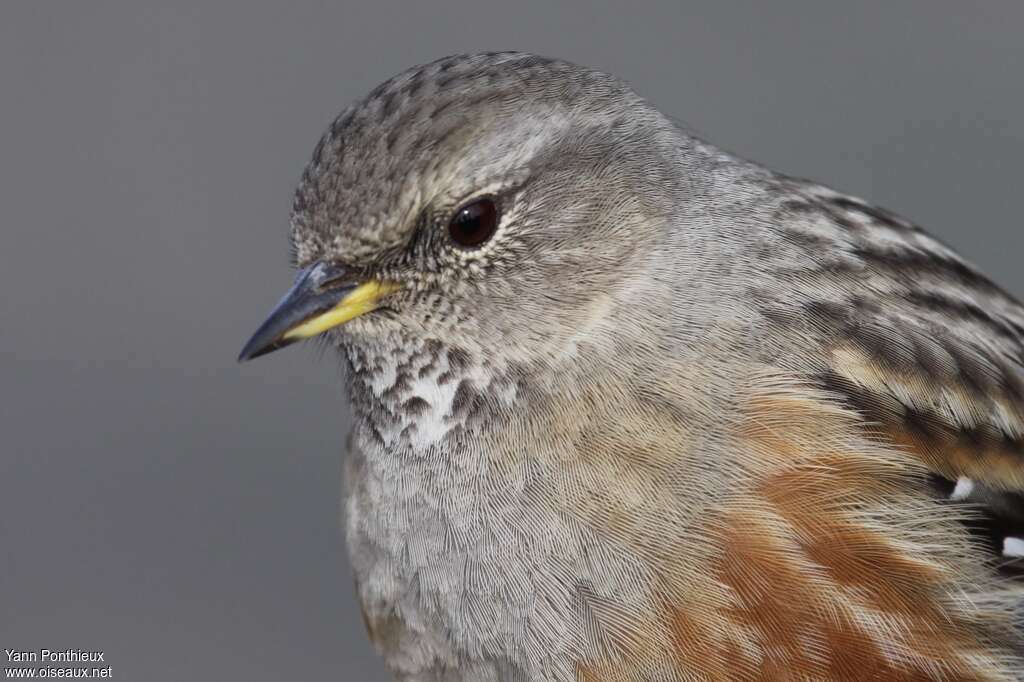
<point x="493" y="202"/>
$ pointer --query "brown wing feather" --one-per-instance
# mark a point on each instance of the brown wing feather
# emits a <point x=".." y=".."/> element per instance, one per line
<point x="829" y="562"/>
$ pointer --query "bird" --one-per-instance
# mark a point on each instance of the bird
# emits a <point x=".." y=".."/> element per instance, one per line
<point x="628" y="407"/>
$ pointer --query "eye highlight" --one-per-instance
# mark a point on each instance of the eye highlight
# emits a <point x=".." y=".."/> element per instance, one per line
<point x="474" y="223"/>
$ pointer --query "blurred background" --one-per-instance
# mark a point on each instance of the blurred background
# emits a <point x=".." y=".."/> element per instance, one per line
<point x="180" y="512"/>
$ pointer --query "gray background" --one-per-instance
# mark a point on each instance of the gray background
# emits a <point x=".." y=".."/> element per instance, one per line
<point x="178" y="511"/>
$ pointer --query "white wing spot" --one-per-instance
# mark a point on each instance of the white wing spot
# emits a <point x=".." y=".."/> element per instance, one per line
<point x="964" y="488"/>
<point x="1013" y="547"/>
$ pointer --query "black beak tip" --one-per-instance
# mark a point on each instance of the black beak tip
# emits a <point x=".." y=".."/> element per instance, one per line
<point x="257" y="347"/>
<point x="250" y="354"/>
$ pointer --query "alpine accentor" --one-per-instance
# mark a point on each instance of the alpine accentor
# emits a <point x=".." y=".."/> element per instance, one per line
<point x="628" y="407"/>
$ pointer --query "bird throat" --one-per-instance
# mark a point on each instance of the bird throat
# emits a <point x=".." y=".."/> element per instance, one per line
<point x="420" y="394"/>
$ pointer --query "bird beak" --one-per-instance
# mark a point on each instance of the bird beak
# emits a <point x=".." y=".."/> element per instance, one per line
<point x="324" y="296"/>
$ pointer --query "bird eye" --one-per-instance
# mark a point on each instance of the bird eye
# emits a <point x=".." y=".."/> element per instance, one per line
<point x="474" y="223"/>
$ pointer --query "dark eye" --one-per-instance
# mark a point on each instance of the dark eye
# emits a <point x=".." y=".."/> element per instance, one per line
<point x="474" y="223"/>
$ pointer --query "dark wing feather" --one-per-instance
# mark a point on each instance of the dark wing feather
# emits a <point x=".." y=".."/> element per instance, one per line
<point x="916" y="339"/>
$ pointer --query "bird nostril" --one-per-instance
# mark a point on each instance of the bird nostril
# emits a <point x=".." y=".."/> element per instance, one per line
<point x="326" y="277"/>
<point x="340" y="282"/>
